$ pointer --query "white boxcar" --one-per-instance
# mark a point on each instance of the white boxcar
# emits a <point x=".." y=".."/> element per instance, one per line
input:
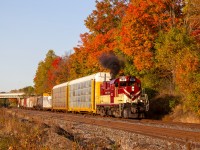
<point x="31" y="102"/>
<point x="47" y="102"/>
<point x="21" y="104"/>
<point x="44" y="102"/>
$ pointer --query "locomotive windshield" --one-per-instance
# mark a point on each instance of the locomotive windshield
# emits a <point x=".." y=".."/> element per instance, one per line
<point x="131" y="83"/>
<point x="126" y="83"/>
<point x="123" y="83"/>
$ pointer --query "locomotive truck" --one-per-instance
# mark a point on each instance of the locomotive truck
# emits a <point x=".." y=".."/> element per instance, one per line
<point x="99" y="94"/>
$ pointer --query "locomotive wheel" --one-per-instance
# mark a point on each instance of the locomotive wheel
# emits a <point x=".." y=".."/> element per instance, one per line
<point x="126" y="113"/>
<point x="103" y="112"/>
<point x="141" y="115"/>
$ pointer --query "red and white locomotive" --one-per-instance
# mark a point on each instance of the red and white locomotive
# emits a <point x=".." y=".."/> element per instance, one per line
<point x="122" y="97"/>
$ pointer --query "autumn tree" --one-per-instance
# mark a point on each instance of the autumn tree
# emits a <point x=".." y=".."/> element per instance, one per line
<point x="102" y="24"/>
<point x="60" y="71"/>
<point x="192" y="18"/>
<point x="41" y="76"/>
<point x="52" y="73"/>
<point x="108" y="15"/>
<point x="79" y="58"/>
<point x="177" y="54"/>
<point x="64" y="69"/>
<point x="39" y="79"/>
<point x="140" y="27"/>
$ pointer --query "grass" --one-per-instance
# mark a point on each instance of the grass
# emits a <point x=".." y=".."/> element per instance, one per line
<point x="180" y="115"/>
<point x="21" y="134"/>
<point x="18" y="134"/>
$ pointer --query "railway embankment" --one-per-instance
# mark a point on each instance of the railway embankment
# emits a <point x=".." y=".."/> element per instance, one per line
<point x="28" y="129"/>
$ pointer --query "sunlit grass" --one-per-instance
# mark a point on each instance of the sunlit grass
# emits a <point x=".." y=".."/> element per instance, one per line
<point x="19" y="134"/>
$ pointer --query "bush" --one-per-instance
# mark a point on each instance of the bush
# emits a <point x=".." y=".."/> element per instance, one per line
<point x="162" y="105"/>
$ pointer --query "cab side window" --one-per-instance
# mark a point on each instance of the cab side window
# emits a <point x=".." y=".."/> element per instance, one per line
<point x="116" y="84"/>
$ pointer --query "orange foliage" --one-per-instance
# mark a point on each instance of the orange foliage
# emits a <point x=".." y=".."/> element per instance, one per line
<point x="189" y="64"/>
<point x="139" y="30"/>
<point x="51" y="73"/>
<point x="107" y="16"/>
<point x="103" y="24"/>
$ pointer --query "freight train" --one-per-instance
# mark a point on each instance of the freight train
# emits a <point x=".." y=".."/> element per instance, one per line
<point x="99" y="94"/>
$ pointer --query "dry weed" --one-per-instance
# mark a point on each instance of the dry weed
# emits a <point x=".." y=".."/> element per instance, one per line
<point x="179" y="114"/>
<point x="19" y="134"/>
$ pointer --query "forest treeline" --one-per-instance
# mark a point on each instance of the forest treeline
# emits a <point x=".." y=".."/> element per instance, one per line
<point x="157" y="41"/>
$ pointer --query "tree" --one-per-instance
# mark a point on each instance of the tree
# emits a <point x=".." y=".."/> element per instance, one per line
<point x="41" y="77"/>
<point x="64" y="70"/>
<point x="103" y="24"/>
<point x="52" y="73"/>
<point x="108" y="15"/>
<point x="192" y="18"/>
<point x="178" y="54"/>
<point x="60" y="71"/>
<point x="29" y="90"/>
<point x="139" y="29"/>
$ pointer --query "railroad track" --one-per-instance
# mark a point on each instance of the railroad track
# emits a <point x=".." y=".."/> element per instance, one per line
<point x="179" y="132"/>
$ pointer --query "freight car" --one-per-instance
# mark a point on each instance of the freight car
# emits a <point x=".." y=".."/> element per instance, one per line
<point x="44" y="102"/>
<point x="80" y="95"/>
<point x="99" y="94"/>
<point x="36" y="102"/>
<point x="28" y="102"/>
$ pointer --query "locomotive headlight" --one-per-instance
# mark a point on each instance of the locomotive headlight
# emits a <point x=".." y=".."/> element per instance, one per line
<point x="122" y="78"/>
<point x="132" y="88"/>
<point x="140" y="100"/>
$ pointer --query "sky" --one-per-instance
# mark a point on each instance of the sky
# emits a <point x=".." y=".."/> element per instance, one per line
<point x="30" y="28"/>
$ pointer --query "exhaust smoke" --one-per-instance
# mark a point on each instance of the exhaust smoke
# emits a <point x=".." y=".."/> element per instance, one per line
<point x="112" y="62"/>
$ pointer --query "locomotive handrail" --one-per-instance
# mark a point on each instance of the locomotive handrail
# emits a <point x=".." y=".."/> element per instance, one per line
<point x="145" y="97"/>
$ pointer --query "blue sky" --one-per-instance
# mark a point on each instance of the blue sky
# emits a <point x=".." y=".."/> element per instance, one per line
<point x="30" y="28"/>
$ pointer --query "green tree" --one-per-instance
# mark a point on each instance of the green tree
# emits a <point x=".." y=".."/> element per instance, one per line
<point x="39" y="79"/>
<point x="178" y="59"/>
<point x="29" y="90"/>
<point x="41" y="76"/>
